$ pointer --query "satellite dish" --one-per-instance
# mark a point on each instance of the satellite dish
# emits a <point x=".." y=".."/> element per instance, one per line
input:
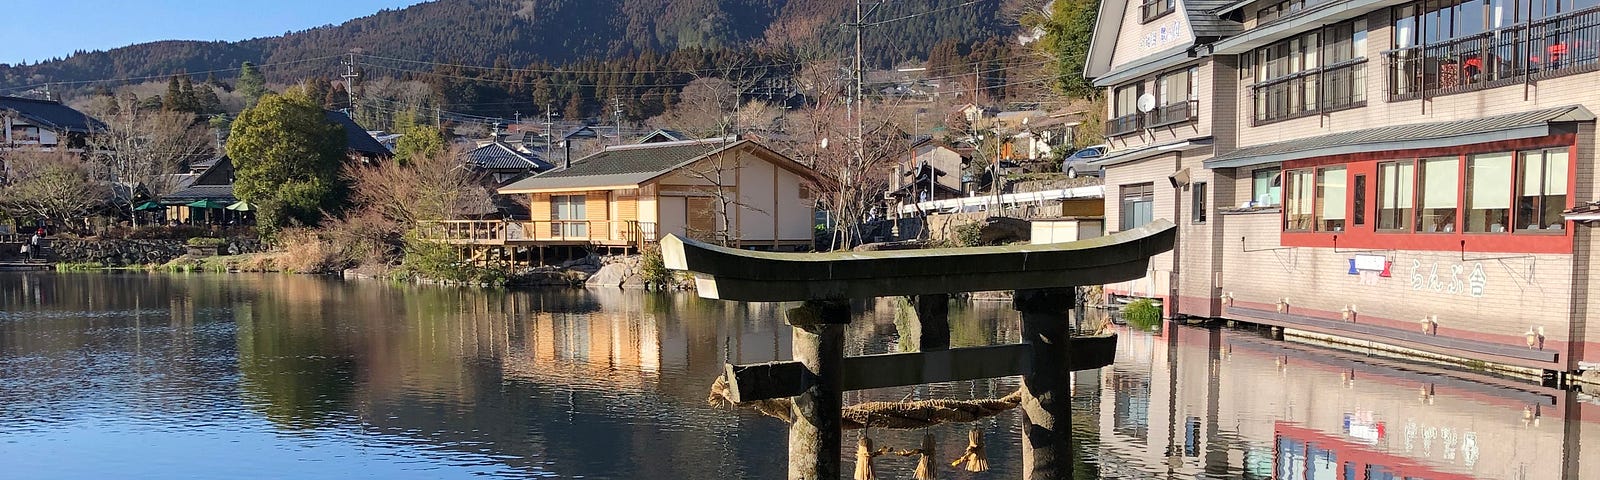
<point x="824" y="143"/>
<point x="1147" y="102"/>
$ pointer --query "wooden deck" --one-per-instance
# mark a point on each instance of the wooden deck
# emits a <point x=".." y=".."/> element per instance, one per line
<point x="604" y="233"/>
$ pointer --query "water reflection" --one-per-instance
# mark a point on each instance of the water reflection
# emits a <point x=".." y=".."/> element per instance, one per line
<point x="138" y="376"/>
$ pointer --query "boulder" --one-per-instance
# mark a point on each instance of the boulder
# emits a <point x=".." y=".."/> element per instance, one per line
<point x="611" y="275"/>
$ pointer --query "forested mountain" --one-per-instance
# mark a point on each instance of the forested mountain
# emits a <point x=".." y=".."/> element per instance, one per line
<point x="519" y="33"/>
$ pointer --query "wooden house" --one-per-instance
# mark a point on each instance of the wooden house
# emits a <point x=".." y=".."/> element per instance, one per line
<point x="725" y="190"/>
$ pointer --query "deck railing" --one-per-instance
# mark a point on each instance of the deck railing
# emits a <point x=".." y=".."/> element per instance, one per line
<point x="494" y="232"/>
<point x="1560" y="45"/>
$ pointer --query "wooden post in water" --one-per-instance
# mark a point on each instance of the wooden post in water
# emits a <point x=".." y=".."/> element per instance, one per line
<point x="933" y="317"/>
<point x="815" y="435"/>
<point x="1046" y="388"/>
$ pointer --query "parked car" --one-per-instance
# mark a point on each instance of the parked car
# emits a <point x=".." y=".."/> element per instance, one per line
<point x="1078" y="163"/>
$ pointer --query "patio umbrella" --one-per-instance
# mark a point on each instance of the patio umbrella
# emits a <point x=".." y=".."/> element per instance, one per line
<point x="146" y="206"/>
<point x="241" y="207"/>
<point x="207" y="204"/>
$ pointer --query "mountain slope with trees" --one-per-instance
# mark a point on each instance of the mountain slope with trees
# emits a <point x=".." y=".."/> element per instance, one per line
<point x="550" y="32"/>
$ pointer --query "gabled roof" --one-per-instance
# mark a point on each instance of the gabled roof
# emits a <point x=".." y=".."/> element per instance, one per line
<point x="665" y="135"/>
<point x="623" y="166"/>
<point x="356" y="138"/>
<point x="1537" y="123"/>
<point x="51" y="114"/>
<point x="499" y="156"/>
<point x="1204" y="27"/>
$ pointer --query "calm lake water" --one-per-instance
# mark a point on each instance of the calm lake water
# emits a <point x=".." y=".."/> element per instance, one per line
<point x="277" y="376"/>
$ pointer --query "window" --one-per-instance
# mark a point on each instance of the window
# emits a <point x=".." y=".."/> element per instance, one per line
<point x="25" y="133"/>
<point x="1543" y="192"/>
<point x="1125" y="110"/>
<point x="1153" y="9"/>
<point x="1266" y="188"/>
<point x="1438" y="186"/>
<point x="1319" y="71"/>
<point x="1395" y="184"/>
<point x="568" y="213"/>
<point x="1359" y="188"/>
<point x="1452" y="46"/>
<point x="1199" y="203"/>
<point x="1138" y="205"/>
<point x="1488" y="206"/>
<point x="1177" y="97"/>
<point x="1330" y="213"/>
<point x="1298" y="200"/>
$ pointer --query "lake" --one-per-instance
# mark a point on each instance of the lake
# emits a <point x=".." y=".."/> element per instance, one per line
<point x="132" y="375"/>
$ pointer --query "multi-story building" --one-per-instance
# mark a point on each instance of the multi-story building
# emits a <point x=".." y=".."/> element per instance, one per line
<point x="1380" y="173"/>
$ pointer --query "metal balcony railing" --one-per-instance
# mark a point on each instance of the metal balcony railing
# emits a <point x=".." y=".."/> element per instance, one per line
<point x="1172" y="114"/>
<point x="1556" y="46"/>
<point x="1123" y="125"/>
<point x="1331" y="88"/>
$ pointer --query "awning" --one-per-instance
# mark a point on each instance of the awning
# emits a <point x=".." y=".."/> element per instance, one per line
<point x="1147" y="151"/>
<point x="241" y="207"/>
<point x="1534" y="124"/>
<point x="207" y="204"/>
<point x="148" y="206"/>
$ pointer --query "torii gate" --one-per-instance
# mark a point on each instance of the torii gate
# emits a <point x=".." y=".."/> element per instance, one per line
<point x="1042" y="276"/>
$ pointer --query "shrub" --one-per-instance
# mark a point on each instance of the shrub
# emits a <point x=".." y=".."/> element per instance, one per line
<point x="653" y="268"/>
<point x="304" y="251"/>
<point x="1142" y="313"/>
<point x="438" y="261"/>
<point x="206" y="242"/>
<point x="968" y="234"/>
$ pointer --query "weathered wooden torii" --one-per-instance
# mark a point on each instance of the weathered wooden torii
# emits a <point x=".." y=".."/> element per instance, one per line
<point x="1042" y="276"/>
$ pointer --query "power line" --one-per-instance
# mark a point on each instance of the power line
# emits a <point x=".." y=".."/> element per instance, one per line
<point x="166" y="75"/>
<point x="921" y="14"/>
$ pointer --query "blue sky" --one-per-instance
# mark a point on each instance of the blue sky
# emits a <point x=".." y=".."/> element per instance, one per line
<point x="57" y="28"/>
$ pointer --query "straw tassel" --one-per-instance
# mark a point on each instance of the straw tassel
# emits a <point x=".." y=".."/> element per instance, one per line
<point x="925" y="468"/>
<point x="864" y="455"/>
<point x="975" y="458"/>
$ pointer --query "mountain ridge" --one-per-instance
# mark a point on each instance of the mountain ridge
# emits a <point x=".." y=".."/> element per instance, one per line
<point x="541" y="32"/>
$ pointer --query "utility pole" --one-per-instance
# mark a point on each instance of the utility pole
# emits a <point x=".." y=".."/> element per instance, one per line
<point x="616" y="112"/>
<point x="349" y="83"/>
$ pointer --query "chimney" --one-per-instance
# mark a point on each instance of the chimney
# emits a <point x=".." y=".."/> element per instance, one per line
<point x="566" y="154"/>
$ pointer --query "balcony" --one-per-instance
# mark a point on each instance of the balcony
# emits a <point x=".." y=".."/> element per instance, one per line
<point x="1562" y="45"/>
<point x="1173" y="114"/>
<point x="1123" y="125"/>
<point x="1332" y="88"/>
<point x="495" y="232"/>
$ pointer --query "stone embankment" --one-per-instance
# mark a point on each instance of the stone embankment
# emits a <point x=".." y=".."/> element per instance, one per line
<point x="123" y="253"/>
<point x="592" y="271"/>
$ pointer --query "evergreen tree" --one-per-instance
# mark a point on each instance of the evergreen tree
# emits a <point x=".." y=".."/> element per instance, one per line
<point x="187" y="100"/>
<point x="574" y="108"/>
<point x="206" y="98"/>
<point x="173" y="100"/>
<point x="251" y="84"/>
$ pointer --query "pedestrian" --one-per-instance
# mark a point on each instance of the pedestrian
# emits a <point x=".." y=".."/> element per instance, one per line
<point x="33" y="244"/>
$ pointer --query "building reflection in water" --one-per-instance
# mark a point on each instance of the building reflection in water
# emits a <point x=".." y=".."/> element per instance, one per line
<point x="612" y="384"/>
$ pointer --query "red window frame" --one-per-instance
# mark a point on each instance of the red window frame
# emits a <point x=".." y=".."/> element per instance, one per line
<point x="1368" y="236"/>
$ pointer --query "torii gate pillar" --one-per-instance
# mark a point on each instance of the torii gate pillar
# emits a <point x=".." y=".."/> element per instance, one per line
<point x="1047" y="391"/>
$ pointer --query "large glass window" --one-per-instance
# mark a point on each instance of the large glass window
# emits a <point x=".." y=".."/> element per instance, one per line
<point x="568" y="212"/>
<point x="1266" y="188"/>
<point x="1125" y="110"/>
<point x="1138" y="205"/>
<point x="1299" y="198"/>
<point x="1177" y="97"/>
<point x="1542" y="194"/>
<point x="1319" y="71"/>
<point x="1330" y="205"/>
<point x="1489" y="193"/>
<point x="1395" y="181"/>
<point x="1438" y="188"/>
<point x="1450" y="46"/>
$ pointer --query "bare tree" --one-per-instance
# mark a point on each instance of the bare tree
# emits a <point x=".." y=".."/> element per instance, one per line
<point x="716" y="174"/>
<point x="53" y="185"/>
<point x="702" y="108"/>
<point x="143" y="149"/>
<point x="429" y="187"/>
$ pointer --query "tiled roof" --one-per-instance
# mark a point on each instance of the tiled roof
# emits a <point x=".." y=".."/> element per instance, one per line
<point x="499" y="156"/>
<point x="1402" y="137"/>
<point x="200" y="192"/>
<point x="1204" y="23"/>
<point x="625" y="165"/>
<point x="51" y="114"/>
<point x="356" y="138"/>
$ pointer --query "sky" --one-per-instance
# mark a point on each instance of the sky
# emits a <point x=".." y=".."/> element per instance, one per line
<point x="61" y="27"/>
